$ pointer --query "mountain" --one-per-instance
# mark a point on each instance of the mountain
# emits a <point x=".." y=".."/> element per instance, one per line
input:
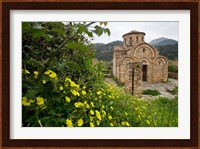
<point x="105" y="51"/>
<point x="162" y="42"/>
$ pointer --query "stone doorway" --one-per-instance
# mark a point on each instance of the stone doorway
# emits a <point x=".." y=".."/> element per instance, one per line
<point x="144" y="73"/>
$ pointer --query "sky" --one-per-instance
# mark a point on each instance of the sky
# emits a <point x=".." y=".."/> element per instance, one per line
<point x="153" y="30"/>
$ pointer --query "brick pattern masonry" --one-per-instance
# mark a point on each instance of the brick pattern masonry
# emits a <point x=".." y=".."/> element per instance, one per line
<point x="135" y="54"/>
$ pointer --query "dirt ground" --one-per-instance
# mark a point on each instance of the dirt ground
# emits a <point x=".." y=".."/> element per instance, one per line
<point x="161" y="87"/>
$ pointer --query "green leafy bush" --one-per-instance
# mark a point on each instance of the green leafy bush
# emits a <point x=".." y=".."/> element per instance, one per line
<point x="151" y="92"/>
<point x="173" y="68"/>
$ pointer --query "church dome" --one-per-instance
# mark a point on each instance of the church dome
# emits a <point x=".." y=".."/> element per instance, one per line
<point x="133" y="32"/>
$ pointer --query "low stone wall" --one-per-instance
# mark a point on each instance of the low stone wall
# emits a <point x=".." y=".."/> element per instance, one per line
<point x="173" y="75"/>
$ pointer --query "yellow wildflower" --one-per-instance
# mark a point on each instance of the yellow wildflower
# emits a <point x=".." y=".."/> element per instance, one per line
<point x="98" y="123"/>
<point x="80" y="122"/>
<point x="109" y="117"/>
<point x="44" y="81"/>
<point x="99" y="92"/>
<point x="111" y="108"/>
<point x="123" y="123"/>
<point x="111" y="124"/>
<point x="26" y="71"/>
<point x="61" y="88"/>
<point x="91" y="124"/>
<point x="67" y="99"/>
<point x="78" y="104"/>
<point x="91" y="118"/>
<point x="48" y="72"/>
<point x="26" y="101"/>
<point x="103" y="113"/>
<point x="53" y="75"/>
<point x="92" y="104"/>
<point x="126" y="113"/>
<point x="69" y="123"/>
<point x="83" y="92"/>
<point x="84" y="87"/>
<point x="73" y="84"/>
<point x="40" y="100"/>
<point x="67" y="79"/>
<point x="127" y="124"/>
<point x="75" y="93"/>
<point x="91" y="112"/>
<point x="36" y="74"/>
<point x="87" y="106"/>
<point x="98" y="115"/>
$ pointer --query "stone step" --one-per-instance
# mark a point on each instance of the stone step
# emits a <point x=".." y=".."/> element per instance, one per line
<point x="108" y="75"/>
<point x="106" y="71"/>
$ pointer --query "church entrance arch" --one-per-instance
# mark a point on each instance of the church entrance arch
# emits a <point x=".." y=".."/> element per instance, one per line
<point x="145" y="64"/>
<point x="144" y="73"/>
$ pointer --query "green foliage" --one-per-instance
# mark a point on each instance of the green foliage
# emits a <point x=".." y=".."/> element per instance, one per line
<point x="151" y="92"/>
<point x="170" y="51"/>
<point x="63" y="51"/>
<point x="173" y="68"/>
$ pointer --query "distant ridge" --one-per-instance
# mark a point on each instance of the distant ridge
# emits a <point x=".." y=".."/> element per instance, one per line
<point x="105" y="51"/>
<point x="162" y="42"/>
<point x="166" y="47"/>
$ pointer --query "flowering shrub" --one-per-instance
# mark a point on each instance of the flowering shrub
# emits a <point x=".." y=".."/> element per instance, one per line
<point x="72" y="105"/>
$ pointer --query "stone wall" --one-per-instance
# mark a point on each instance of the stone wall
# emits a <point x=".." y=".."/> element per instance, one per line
<point x="133" y="85"/>
<point x="135" y="56"/>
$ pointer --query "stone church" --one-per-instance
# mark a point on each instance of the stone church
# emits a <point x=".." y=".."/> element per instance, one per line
<point x="136" y="61"/>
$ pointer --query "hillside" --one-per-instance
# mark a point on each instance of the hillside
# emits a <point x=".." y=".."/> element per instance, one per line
<point x="105" y="51"/>
<point x="169" y="51"/>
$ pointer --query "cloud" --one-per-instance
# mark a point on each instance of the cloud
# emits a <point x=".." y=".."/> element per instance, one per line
<point x="153" y="30"/>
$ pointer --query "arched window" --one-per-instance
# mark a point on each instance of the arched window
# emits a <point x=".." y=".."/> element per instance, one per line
<point x="143" y="50"/>
<point x="130" y="41"/>
<point x="125" y="41"/>
<point x="136" y="39"/>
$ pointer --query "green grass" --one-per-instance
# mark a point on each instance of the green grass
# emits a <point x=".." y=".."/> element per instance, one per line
<point x="151" y="92"/>
<point x="160" y="112"/>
